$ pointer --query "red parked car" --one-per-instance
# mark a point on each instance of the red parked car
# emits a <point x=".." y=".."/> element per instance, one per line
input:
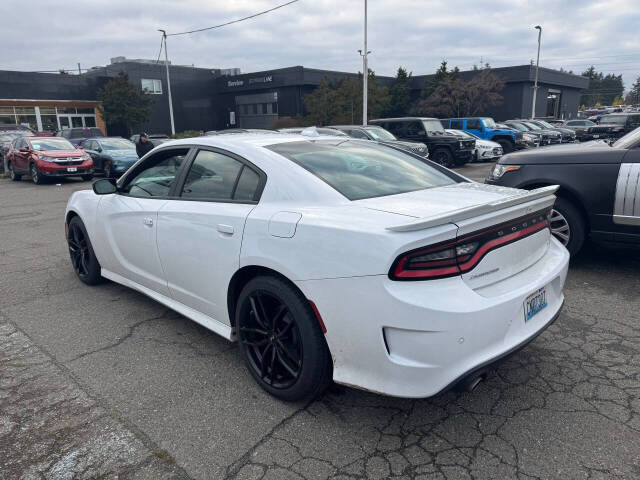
<point x="47" y="157"/>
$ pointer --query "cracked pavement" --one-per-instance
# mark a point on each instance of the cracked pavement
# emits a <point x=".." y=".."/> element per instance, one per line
<point x="101" y="382"/>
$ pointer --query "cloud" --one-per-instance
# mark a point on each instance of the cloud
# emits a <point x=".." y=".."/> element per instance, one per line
<point x="327" y="34"/>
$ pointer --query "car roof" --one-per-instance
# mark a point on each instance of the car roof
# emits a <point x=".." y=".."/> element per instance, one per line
<point x="402" y="119"/>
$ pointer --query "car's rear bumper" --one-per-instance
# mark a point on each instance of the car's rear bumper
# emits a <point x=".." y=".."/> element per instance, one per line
<point x="415" y="339"/>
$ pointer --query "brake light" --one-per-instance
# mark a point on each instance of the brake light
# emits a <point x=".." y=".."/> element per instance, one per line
<point x="462" y="255"/>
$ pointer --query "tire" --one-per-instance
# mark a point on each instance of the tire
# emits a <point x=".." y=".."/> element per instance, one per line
<point x="507" y="145"/>
<point x="35" y="175"/>
<point x="295" y="363"/>
<point x="107" y="170"/>
<point x="568" y="225"/>
<point x="83" y="258"/>
<point x="12" y="173"/>
<point x="443" y="157"/>
<point x="86" y="178"/>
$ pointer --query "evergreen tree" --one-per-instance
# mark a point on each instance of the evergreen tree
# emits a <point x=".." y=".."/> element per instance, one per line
<point x="400" y="94"/>
<point x="123" y="104"/>
<point x="633" y="97"/>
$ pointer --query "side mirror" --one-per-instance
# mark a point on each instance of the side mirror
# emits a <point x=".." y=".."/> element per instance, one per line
<point x="105" y="186"/>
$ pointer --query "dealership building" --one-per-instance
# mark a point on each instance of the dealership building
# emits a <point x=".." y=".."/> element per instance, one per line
<point x="212" y="99"/>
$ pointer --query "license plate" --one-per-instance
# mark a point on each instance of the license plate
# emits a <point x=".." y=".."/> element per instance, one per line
<point x="596" y="136"/>
<point x="534" y="303"/>
<point x="72" y="169"/>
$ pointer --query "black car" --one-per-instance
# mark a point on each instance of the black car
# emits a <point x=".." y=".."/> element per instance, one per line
<point x="525" y="137"/>
<point x="586" y="129"/>
<point x="380" y="135"/>
<point x="444" y="149"/>
<point x="547" y="137"/>
<point x="567" y="134"/>
<point x="620" y="124"/>
<point x="599" y="192"/>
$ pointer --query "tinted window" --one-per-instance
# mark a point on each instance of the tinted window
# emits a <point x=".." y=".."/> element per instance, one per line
<point x="362" y="170"/>
<point x="358" y="134"/>
<point x="247" y="185"/>
<point x="474" y="125"/>
<point x="156" y="176"/>
<point x="414" y="128"/>
<point x="394" y="127"/>
<point x="456" y="124"/>
<point x="212" y="175"/>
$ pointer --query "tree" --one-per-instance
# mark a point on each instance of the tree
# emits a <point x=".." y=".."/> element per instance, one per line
<point x="321" y="104"/>
<point x="400" y="93"/>
<point x="483" y="92"/>
<point x="602" y="89"/>
<point x="434" y="82"/>
<point x="633" y="97"/>
<point x="123" y="104"/>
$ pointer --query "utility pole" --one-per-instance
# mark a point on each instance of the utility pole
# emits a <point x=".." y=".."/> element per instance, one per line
<point x="166" y="64"/>
<point x="365" y="69"/>
<point x="535" y="85"/>
<point x="79" y="69"/>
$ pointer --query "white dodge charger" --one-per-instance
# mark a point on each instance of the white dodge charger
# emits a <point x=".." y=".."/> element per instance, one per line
<point x="328" y="258"/>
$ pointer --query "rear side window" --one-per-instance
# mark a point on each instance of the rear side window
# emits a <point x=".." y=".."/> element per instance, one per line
<point x="361" y="170"/>
<point x="474" y="125"/>
<point x="456" y="124"/>
<point x="394" y="127"/>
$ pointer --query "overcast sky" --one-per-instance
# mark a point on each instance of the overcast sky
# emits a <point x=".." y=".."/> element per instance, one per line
<point x="417" y="34"/>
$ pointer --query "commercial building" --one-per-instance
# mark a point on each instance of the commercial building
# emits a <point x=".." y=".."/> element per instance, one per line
<point x="212" y="99"/>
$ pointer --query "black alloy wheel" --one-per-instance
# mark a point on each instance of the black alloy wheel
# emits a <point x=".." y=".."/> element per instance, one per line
<point x="281" y="340"/>
<point x="12" y="173"/>
<point x="443" y="157"/>
<point x="35" y="175"/>
<point x="83" y="259"/>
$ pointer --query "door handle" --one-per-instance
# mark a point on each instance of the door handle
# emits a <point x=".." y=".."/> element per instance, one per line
<point x="148" y="221"/>
<point x="222" y="228"/>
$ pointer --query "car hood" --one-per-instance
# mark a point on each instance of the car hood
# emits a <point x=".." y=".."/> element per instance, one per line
<point x="438" y="200"/>
<point x="486" y="143"/>
<point x="596" y="151"/>
<point x="406" y="144"/>
<point x="62" y="153"/>
<point x="122" y="153"/>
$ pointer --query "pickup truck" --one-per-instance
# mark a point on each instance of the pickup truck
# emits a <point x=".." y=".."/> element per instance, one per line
<point x="485" y="128"/>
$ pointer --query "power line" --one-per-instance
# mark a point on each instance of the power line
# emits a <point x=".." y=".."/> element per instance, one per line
<point x="233" y="21"/>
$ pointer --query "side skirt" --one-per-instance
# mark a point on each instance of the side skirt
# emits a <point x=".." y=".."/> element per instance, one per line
<point x="207" y="322"/>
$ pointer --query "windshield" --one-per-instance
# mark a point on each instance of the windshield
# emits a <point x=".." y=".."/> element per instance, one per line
<point x="358" y="170"/>
<point x="615" y="119"/>
<point x="117" y="144"/>
<point x="433" y="127"/>
<point x="532" y="126"/>
<point x="489" y="123"/>
<point x="545" y="124"/>
<point x="518" y="126"/>
<point x="51" y="144"/>
<point x="630" y="140"/>
<point x="380" y="134"/>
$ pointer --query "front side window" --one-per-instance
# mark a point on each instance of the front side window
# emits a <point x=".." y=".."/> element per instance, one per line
<point x="358" y="134"/>
<point x="414" y="128"/>
<point x="361" y="170"/>
<point x="380" y="134"/>
<point x="474" y="125"/>
<point x="152" y="86"/>
<point x="489" y="122"/>
<point x="215" y="176"/>
<point x="155" y="177"/>
<point x="433" y="127"/>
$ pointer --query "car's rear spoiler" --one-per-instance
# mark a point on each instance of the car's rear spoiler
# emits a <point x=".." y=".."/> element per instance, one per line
<point x="475" y="211"/>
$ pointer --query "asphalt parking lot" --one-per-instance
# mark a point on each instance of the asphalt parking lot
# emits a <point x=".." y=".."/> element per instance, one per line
<point x="101" y="382"/>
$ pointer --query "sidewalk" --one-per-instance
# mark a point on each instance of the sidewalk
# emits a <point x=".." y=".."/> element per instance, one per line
<point x="50" y="428"/>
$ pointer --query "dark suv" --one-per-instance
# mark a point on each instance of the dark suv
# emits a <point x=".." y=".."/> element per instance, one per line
<point x="620" y="124"/>
<point x="445" y="149"/>
<point x="77" y="135"/>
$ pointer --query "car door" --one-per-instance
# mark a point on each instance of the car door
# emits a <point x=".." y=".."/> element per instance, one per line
<point x="21" y="158"/>
<point x="626" y="210"/>
<point x="90" y="146"/>
<point x="127" y="230"/>
<point x="200" y="232"/>
<point x="414" y="130"/>
<point x="474" y="126"/>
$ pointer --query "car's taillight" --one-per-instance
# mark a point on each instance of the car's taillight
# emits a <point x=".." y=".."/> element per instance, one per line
<point x="452" y="258"/>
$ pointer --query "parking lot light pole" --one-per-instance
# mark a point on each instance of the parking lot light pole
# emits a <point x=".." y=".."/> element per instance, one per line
<point x="365" y="69"/>
<point x="166" y="64"/>
<point x="535" y="85"/>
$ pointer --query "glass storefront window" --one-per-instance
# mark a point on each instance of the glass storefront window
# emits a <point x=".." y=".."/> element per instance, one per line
<point x="7" y="119"/>
<point x="88" y="110"/>
<point x="6" y="110"/>
<point x="66" y="110"/>
<point x="49" y="122"/>
<point x="28" y="120"/>
<point x="89" y="121"/>
<point x="76" y="122"/>
<point x="47" y="110"/>
<point x="25" y="111"/>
